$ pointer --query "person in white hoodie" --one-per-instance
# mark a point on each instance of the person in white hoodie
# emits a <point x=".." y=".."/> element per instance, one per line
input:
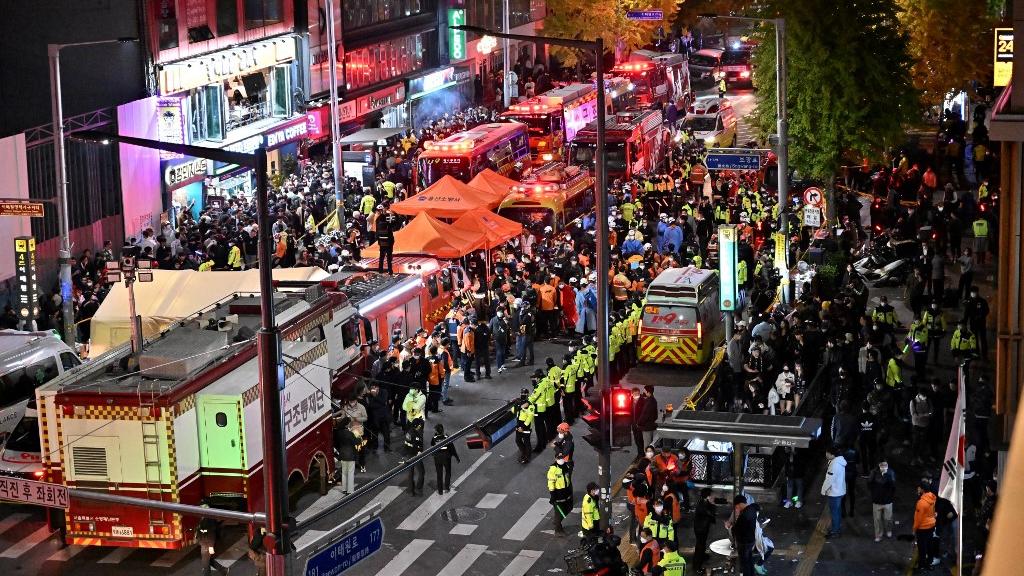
<point x="834" y="487"/>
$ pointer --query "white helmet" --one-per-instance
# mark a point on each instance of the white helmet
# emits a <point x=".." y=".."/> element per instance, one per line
<point x="345" y="253"/>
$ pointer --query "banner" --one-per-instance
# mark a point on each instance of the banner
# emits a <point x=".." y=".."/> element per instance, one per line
<point x="951" y="479"/>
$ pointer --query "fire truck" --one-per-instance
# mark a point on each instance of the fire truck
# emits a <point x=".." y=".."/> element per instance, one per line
<point x="657" y="77"/>
<point x="554" y="117"/>
<point x="635" y="144"/>
<point x="553" y="195"/>
<point x="187" y="427"/>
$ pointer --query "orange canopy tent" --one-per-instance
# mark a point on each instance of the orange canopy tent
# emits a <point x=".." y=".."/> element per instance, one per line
<point x="495" y="230"/>
<point x="489" y="180"/>
<point x="428" y="235"/>
<point x="447" y="198"/>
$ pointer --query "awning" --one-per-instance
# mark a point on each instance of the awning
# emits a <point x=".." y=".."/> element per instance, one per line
<point x="447" y="198"/>
<point x="427" y="235"/>
<point x="371" y="135"/>
<point x="495" y="230"/>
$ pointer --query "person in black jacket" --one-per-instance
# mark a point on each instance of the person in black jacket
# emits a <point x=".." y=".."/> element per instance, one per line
<point x="413" y="447"/>
<point x="743" y="530"/>
<point x="482" y="342"/>
<point x="882" y="485"/>
<point x="645" y="415"/>
<point x="346" y="445"/>
<point x="386" y="225"/>
<point x="703" y="520"/>
<point x="206" y="536"/>
<point x="443" y="460"/>
<point x="380" y="414"/>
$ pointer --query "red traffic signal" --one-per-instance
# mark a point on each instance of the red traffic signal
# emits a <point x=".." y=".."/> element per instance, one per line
<point x="622" y="403"/>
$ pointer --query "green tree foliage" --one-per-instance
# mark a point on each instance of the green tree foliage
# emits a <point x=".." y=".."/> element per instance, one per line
<point x="951" y="43"/>
<point x="849" y="84"/>
<point x="590" y="19"/>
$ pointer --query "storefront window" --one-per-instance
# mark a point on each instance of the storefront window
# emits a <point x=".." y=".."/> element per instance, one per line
<point x="360" y="13"/>
<point x="227" y="17"/>
<point x="206" y="113"/>
<point x="263" y="12"/>
<point x="167" y="22"/>
<point x="379" y="63"/>
<point x="281" y="101"/>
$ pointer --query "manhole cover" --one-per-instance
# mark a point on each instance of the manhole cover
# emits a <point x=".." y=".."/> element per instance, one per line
<point x="463" y="515"/>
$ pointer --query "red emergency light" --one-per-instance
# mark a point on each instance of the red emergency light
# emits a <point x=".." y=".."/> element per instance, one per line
<point x="621" y="401"/>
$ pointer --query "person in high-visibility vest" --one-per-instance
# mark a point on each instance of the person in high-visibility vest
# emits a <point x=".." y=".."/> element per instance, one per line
<point x="741" y="273"/>
<point x="721" y="87"/>
<point x="936" y="323"/>
<point x="539" y="400"/>
<point x="590" y="514"/>
<point x="884" y="315"/>
<point x="917" y="342"/>
<point x="570" y="394"/>
<point x="980" y="228"/>
<point x="234" y="256"/>
<point x="672" y="564"/>
<point x="650" y="553"/>
<point x="893" y="373"/>
<point x="963" y="344"/>
<point x="560" y="491"/>
<point x="524" y="420"/>
<point x="206" y="266"/>
<point x="659" y="521"/>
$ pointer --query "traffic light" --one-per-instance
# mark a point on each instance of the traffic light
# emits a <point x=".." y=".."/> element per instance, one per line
<point x="621" y="404"/>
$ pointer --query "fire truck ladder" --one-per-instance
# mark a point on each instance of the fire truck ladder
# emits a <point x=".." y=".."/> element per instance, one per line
<point x="151" y="456"/>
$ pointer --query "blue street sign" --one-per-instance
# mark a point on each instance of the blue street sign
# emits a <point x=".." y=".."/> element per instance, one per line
<point x="646" y="15"/>
<point x="347" y="551"/>
<point x="733" y="161"/>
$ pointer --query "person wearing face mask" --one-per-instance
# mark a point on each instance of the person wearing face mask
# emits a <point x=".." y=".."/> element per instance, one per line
<point x="659" y="521"/>
<point x="525" y="415"/>
<point x="672" y="506"/>
<point x="975" y="314"/>
<point x="559" y="491"/>
<point x="935" y="321"/>
<point x="882" y="485"/>
<point x="590" y="514"/>
<point x="650" y="553"/>
<point x="564" y="444"/>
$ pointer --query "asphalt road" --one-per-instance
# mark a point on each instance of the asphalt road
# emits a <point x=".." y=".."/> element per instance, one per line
<point x="495" y="522"/>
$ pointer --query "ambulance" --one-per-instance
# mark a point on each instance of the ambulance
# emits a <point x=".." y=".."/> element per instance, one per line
<point x="681" y="322"/>
<point x="554" y="117"/>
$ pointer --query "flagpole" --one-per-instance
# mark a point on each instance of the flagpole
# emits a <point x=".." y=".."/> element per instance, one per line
<point x="962" y="446"/>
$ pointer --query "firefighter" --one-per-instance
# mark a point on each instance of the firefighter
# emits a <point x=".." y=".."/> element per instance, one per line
<point x="524" y="419"/>
<point x="650" y="553"/>
<point x="590" y="514"/>
<point x="206" y="537"/>
<point x="560" y="491"/>
<point x="564" y="444"/>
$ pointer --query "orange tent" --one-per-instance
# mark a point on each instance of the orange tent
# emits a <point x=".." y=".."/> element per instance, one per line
<point x="496" y="230"/>
<point x="489" y="180"/>
<point x="447" y="198"/>
<point x="428" y="235"/>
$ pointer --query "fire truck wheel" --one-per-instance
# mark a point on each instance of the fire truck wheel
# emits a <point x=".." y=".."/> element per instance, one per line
<point x="296" y="484"/>
<point x="318" y="470"/>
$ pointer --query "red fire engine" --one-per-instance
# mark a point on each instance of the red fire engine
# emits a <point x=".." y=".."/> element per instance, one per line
<point x="634" y="143"/>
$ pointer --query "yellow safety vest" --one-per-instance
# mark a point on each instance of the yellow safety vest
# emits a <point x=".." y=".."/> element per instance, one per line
<point x="557" y="480"/>
<point x="741" y="272"/>
<point x="591" y="514"/>
<point x="958" y="343"/>
<point x="235" y="258"/>
<point x="887" y="316"/>
<point x="661" y="531"/>
<point x="893" y="374"/>
<point x="673" y="564"/>
<point x="526" y="414"/>
<point x="206" y="266"/>
<point x="980" y="228"/>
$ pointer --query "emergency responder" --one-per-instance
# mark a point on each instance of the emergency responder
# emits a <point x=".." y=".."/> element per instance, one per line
<point x="671" y="564"/>
<point x="525" y="415"/>
<point x="980" y="227"/>
<point x="917" y="342"/>
<point x="963" y="344"/>
<point x="538" y="397"/>
<point x="650" y="554"/>
<point x="590" y="513"/>
<point x="206" y="536"/>
<point x="443" y="460"/>
<point x="554" y="390"/>
<point x="721" y="87"/>
<point x="413" y="447"/>
<point x="560" y="491"/>
<point x="976" y="314"/>
<point x="935" y="321"/>
<point x="570" y="392"/>
<point x="415" y="404"/>
<point x="235" y="261"/>
<point x="564" y="445"/>
<point x="884" y="315"/>
<point x="659" y="521"/>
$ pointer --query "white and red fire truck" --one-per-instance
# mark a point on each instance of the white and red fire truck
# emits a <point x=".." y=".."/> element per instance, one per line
<point x="187" y="426"/>
<point x="554" y="117"/>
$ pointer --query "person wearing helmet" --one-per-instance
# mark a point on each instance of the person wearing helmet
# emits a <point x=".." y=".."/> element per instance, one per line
<point x="564" y="445"/>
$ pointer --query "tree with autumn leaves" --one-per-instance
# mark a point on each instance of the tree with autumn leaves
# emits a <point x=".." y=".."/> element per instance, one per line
<point x="591" y="19"/>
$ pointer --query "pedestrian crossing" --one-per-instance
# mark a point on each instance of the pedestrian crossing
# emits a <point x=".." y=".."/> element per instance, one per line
<point x="467" y="559"/>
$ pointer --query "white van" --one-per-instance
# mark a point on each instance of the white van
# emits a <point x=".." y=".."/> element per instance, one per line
<point x="27" y="361"/>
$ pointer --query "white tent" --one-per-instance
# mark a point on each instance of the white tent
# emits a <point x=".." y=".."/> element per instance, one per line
<point x="171" y="296"/>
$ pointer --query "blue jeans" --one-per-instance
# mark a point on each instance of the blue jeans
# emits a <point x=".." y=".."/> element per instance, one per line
<point x="499" y="354"/>
<point x="834" y="506"/>
<point x="445" y="385"/>
<point x="521" y="348"/>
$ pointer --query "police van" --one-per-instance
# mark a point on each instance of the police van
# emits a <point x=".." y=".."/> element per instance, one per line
<point x="681" y="322"/>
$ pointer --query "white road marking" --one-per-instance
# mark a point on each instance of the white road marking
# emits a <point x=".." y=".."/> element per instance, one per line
<point x="27" y="543"/>
<point x="491" y="501"/>
<point x="529" y="520"/>
<point x="11" y="521"/>
<point x="405" y="558"/>
<point x="116" y="556"/>
<point x="463" y="560"/>
<point x="386" y="496"/>
<point x="65" y="554"/>
<point x="333" y="496"/>
<point x="462" y="529"/>
<point x="235" y="552"/>
<point x="172" y="557"/>
<point x="521" y="563"/>
<point x="434" y="502"/>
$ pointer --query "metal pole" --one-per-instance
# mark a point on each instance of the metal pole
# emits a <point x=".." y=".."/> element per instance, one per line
<point x="271" y="379"/>
<point x="783" y="155"/>
<point x="603" y="263"/>
<point x="506" y="58"/>
<point x="332" y="55"/>
<point x="136" y="332"/>
<point x="246" y="517"/>
<point x="729" y="326"/>
<point x="60" y="169"/>
<point x="738" y="457"/>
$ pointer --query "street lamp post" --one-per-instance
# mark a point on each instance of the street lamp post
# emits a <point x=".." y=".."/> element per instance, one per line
<point x="60" y="173"/>
<point x="332" y="55"/>
<point x="603" y="253"/>
<point x="782" y="126"/>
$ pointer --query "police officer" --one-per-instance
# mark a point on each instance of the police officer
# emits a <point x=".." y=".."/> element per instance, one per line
<point x="591" y="513"/>
<point x="976" y="314"/>
<point x="917" y="341"/>
<point x="554" y="389"/>
<point x="570" y="392"/>
<point x="386" y="239"/>
<point x="538" y="397"/>
<point x="443" y="460"/>
<point x="413" y="447"/>
<point x="671" y="564"/>
<point x="963" y="344"/>
<point x="936" y="323"/>
<point x="884" y="314"/>
<point x="525" y="415"/>
<point x="560" y="491"/>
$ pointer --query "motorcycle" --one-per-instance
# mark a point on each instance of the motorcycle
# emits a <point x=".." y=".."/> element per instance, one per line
<point x="883" y="262"/>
